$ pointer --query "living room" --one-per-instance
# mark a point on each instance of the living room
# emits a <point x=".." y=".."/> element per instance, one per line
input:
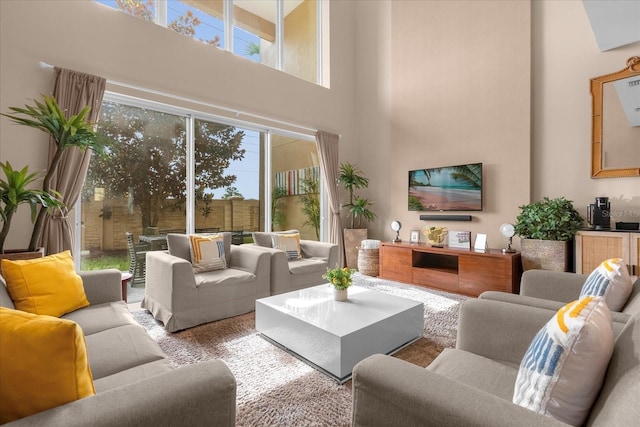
<point x="412" y="84"/>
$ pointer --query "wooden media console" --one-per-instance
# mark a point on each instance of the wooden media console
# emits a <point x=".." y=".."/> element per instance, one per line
<point x="463" y="271"/>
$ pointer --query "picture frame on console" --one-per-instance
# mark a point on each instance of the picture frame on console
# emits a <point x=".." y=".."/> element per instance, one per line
<point x="414" y="236"/>
<point x="459" y="239"/>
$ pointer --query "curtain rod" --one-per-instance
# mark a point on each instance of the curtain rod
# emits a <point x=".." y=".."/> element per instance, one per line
<point x="237" y="113"/>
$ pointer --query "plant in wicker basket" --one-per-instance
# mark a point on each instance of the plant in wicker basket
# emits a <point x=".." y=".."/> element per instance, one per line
<point x="547" y="228"/>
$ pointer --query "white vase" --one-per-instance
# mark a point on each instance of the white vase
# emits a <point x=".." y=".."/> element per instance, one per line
<point x="340" y="294"/>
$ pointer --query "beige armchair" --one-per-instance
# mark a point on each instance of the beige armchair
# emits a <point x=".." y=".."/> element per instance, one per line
<point x="290" y="275"/>
<point x="180" y="298"/>
<point x="473" y="384"/>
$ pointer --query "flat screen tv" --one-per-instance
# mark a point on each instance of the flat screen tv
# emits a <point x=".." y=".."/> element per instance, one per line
<point x="449" y="188"/>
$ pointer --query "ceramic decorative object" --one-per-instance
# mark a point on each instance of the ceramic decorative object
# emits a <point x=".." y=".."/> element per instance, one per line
<point x="340" y="294"/>
<point x="435" y="235"/>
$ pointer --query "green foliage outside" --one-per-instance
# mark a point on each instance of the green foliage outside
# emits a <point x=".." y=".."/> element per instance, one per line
<point x="310" y="201"/>
<point x="120" y="262"/>
<point x="278" y="204"/>
<point x="548" y="219"/>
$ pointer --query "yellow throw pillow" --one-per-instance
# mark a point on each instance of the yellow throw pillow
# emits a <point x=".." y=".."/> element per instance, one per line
<point x="43" y="364"/>
<point x="207" y="252"/>
<point x="48" y="285"/>
<point x="288" y="242"/>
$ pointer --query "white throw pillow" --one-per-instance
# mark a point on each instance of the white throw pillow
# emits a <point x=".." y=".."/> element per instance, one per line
<point x="610" y="280"/>
<point x="563" y="369"/>
<point x="207" y="252"/>
<point x="288" y="242"/>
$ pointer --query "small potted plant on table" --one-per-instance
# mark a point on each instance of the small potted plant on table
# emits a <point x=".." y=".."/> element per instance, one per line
<point x="340" y="279"/>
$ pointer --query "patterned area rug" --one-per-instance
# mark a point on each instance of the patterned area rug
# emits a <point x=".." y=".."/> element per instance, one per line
<point x="277" y="389"/>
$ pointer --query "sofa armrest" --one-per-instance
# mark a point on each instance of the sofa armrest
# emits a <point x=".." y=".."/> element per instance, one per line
<point x="315" y="249"/>
<point x="246" y="257"/>
<point x="202" y="394"/>
<point x="102" y="286"/>
<point x="498" y="330"/>
<point x="552" y="285"/>
<point x="165" y="274"/>
<point x="390" y="392"/>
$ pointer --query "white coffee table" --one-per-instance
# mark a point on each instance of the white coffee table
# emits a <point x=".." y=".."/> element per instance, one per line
<point x="333" y="336"/>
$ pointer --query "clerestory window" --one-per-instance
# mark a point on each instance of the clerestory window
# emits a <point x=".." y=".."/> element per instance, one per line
<point x="283" y="34"/>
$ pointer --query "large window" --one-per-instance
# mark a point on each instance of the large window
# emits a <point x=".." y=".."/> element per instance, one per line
<point x="174" y="170"/>
<point x="283" y="34"/>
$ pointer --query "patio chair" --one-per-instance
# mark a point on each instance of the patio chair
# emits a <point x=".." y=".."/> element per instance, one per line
<point x="137" y="260"/>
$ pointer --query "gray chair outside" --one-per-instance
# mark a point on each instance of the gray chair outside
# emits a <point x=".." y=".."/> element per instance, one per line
<point x="137" y="260"/>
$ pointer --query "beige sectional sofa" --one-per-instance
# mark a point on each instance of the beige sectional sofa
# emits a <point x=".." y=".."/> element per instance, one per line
<point x="136" y="385"/>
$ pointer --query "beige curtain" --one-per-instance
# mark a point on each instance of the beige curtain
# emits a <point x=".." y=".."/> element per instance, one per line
<point x="73" y="91"/>
<point x="328" y="153"/>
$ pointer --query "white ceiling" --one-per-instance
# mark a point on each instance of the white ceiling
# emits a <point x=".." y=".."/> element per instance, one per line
<point x="614" y="23"/>
<point x="266" y="8"/>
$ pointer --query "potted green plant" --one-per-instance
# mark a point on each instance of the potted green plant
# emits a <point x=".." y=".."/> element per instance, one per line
<point x="340" y="279"/>
<point x="547" y="228"/>
<point x="352" y="178"/>
<point x="66" y="132"/>
<point x="15" y="191"/>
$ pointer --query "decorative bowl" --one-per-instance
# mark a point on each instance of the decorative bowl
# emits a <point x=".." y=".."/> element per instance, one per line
<point x="435" y="235"/>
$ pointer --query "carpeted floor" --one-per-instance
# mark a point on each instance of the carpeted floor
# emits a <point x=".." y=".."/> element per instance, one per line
<point x="277" y="389"/>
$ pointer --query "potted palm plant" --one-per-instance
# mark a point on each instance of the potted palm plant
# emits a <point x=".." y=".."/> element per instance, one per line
<point x="66" y="132"/>
<point x="547" y="228"/>
<point x="352" y="178"/>
<point x="15" y="191"/>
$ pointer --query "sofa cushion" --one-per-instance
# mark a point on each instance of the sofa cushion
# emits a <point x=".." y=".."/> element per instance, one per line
<point x="100" y="317"/>
<point x="48" y="285"/>
<point x="207" y="252"/>
<point x="118" y="349"/>
<point x="476" y="371"/>
<point x="308" y="265"/>
<point x="226" y="277"/>
<point x="178" y="245"/>
<point x="610" y="280"/>
<point x="44" y="364"/>
<point x="131" y="375"/>
<point x="262" y="238"/>
<point x="287" y="242"/>
<point x="562" y="371"/>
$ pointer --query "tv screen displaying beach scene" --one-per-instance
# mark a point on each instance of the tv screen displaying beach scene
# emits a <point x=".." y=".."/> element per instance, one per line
<point x="449" y="188"/>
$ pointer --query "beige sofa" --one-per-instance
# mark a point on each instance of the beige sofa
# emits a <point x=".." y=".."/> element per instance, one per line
<point x="473" y="384"/>
<point x="552" y="290"/>
<point x="136" y="385"/>
<point x="291" y="275"/>
<point x="180" y="298"/>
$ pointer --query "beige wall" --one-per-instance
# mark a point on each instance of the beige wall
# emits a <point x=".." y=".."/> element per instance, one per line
<point x="460" y="94"/>
<point x="565" y="56"/>
<point x="89" y="37"/>
<point x="413" y="84"/>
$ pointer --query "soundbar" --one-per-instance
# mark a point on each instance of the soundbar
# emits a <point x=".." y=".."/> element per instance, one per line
<point x="445" y="217"/>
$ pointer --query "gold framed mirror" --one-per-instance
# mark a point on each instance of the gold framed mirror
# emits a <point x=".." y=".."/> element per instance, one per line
<point x="615" y="147"/>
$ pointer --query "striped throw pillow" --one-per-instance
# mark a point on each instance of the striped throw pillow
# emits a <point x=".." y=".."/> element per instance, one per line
<point x="207" y="252"/>
<point x="562" y="371"/>
<point x="288" y="242"/>
<point x="610" y="280"/>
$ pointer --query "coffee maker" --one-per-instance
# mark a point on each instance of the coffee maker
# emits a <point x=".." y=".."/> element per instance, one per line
<point x="599" y="214"/>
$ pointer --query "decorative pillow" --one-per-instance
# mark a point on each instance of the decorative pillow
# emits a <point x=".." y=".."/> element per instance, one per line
<point x="207" y="252"/>
<point x="48" y="285"/>
<point x="610" y="280"/>
<point x="44" y="364"/>
<point x="288" y="242"/>
<point x="563" y="369"/>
